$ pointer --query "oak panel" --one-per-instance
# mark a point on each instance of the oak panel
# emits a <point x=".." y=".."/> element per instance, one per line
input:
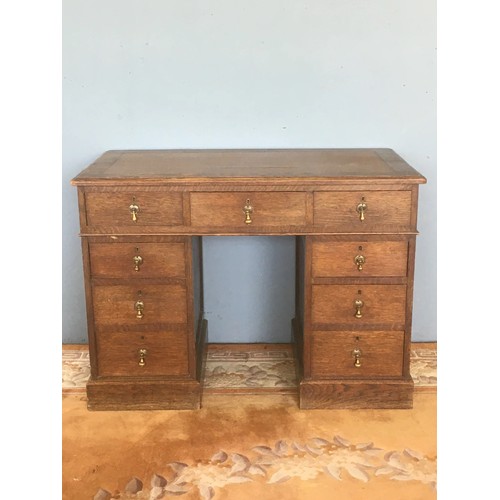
<point x="112" y="208"/>
<point x="337" y="258"/>
<point x="356" y="394"/>
<point x="227" y="209"/>
<point x="143" y="394"/>
<point x="337" y="209"/>
<point x="382" y="304"/>
<point x="381" y="354"/>
<point x="167" y="354"/>
<point x="115" y="304"/>
<point x="116" y="260"/>
<point x="271" y="165"/>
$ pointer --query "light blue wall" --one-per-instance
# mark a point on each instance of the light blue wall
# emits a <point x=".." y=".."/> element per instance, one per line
<point x="265" y="73"/>
<point x="250" y="296"/>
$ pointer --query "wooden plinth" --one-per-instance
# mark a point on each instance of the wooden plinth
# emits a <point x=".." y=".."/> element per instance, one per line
<point x="351" y="394"/>
<point x="143" y="395"/>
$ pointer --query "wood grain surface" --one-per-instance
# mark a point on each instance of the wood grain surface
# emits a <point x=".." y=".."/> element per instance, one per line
<point x="384" y="209"/>
<point x="147" y="166"/>
<point x="381" y="258"/>
<point x="163" y="304"/>
<point x="113" y="208"/>
<point x="381" y="354"/>
<point x="383" y="304"/>
<point x="116" y="260"/>
<point x="167" y="353"/>
<point x="309" y="193"/>
<point x="268" y="209"/>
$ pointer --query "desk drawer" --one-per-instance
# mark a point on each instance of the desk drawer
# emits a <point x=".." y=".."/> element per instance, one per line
<point x="357" y="354"/>
<point x="248" y="209"/>
<point x="122" y="354"/>
<point x="359" y="259"/>
<point x="120" y="208"/>
<point x="137" y="260"/>
<point x="138" y="305"/>
<point x="379" y="304"/>
<point x="358" y="211"/>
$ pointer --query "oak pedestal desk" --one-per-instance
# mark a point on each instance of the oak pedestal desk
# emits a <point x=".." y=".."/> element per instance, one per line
<point x="143" y="215"/>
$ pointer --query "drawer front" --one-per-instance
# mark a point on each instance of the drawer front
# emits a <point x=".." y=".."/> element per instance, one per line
<point x="121" y="305"/>
<point x="248" y="209"/>
<point x="137" y="260"/>
<point x="379" y="304"/>
<point x="148" y="208"/>
<point x="120" y="354"/>
<point x="358" y="211"/>
<point x="357" y="354"/>
<point x="359" y="258"/>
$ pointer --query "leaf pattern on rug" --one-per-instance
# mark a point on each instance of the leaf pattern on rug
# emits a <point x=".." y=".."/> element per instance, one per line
<point x="75" y="370"/>
<point x="337" y="458"/>
<point x="228" y="374"/>
<point x="409" y="465"/>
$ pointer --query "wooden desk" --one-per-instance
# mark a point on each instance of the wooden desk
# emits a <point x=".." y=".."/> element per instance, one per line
<point x="354" y="215"/>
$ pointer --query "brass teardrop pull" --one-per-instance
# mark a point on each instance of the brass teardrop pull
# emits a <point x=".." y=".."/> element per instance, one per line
<point x="361" y="209"/>
<point x="133" y="210"/>
<point x="357" y="355"/>
<point x="137" y="262"/>
<point x="359" y="260"/>
<point x="142" y="355"/>
<point x="139" y="309"/>
<point x="248" y="209"/>
<point x="358" y="304"/>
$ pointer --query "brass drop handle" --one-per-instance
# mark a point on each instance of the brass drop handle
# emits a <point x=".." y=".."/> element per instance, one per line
<point x="358" y="304"/>
<point x="139" y="309"/>
<point x="133" y="210"/>
<point x="359" y="260"/>
<point x="357" y="355"/>
<point x="137" y="262"/>
<point x="248" y="209"/>
<point x="142" y="355"/>
<point x="361" y="209"/>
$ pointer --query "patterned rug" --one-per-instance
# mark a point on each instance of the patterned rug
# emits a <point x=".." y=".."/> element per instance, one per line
<point x="248" y="368"/>
<point x="250" y="440"/>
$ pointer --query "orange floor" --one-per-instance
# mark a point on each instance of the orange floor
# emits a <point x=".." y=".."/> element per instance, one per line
<point x="241" y="446"/>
